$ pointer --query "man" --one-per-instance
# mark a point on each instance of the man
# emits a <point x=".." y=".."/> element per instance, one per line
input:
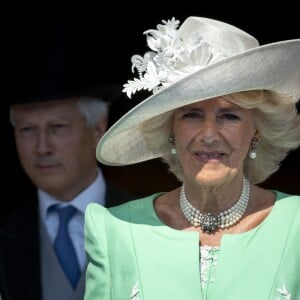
<point x="57" y="117"/>
<point x="56" y="143"/>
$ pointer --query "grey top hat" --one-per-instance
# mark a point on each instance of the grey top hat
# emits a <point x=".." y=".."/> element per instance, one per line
<point x="57" y="57"/>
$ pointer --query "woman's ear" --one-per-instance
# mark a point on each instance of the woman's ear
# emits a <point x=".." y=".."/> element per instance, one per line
<point x="257" y="134"/>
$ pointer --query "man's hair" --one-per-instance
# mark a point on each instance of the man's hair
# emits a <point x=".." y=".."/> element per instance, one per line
<point x="93" y="109"/>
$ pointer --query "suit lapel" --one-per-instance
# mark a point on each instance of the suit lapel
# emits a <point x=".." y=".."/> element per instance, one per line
<point x="115" y="196"/>
<point x="19" y="246"/>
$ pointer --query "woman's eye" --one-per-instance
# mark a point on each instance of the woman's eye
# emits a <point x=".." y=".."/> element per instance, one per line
<point x="191" y="115"/>
<point x="230" y="117"/>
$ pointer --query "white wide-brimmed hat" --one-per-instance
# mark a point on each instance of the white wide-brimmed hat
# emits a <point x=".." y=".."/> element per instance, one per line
<point x="202" y="59"/>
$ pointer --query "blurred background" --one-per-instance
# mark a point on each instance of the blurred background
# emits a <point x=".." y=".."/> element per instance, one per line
<point x="100" y="43"/>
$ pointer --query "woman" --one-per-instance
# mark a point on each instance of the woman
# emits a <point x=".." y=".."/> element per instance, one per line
<point x="223" y="116"/>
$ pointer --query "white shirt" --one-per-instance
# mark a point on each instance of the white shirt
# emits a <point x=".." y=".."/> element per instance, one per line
<point x="93" y="193"/>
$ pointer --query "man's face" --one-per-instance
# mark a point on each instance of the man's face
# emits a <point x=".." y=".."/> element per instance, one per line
<point x="56" y="149"/>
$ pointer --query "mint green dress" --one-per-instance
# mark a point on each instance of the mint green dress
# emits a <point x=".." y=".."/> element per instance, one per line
<point x="133" y="255"/>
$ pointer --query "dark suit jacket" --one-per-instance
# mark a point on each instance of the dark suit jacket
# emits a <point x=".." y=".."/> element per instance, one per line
<point x="19" y="248"/>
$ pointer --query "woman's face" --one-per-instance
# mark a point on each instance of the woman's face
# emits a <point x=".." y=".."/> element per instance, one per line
<point x="212" y="139"/>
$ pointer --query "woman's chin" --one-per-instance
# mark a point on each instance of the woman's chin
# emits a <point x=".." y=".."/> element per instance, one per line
<point x="214" y="177"/>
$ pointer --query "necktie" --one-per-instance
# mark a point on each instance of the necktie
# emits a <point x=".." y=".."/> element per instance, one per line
<point x="64" y="247"/>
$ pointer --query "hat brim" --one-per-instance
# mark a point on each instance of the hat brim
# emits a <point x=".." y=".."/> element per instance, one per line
<point x="274" y="67"/>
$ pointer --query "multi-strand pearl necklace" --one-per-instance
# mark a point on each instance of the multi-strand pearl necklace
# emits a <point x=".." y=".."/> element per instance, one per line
<point x="209" y="222"/>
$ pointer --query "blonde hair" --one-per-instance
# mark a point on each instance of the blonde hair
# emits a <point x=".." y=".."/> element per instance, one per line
<point x="276" y="120"/>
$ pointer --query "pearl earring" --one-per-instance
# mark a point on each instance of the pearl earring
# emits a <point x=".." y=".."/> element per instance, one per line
<point x="172" y="142"/>
<point x="254" y="144"/>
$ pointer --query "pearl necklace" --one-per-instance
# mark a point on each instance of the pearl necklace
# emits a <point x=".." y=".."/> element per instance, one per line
<point x="209" y="222"/>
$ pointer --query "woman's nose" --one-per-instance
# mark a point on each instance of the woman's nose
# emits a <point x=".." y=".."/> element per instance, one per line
<point x="208" y="132"/>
